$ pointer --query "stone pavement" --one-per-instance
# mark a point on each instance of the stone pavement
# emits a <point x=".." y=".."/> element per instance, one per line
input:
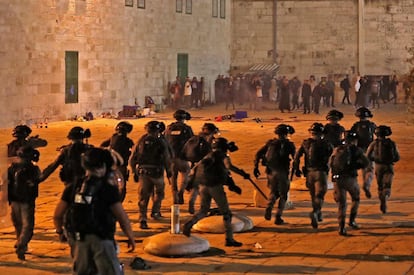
<point x="383" y="245"/>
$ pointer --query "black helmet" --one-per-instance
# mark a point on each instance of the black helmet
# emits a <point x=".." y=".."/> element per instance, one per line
<point x="316" y="128"/>
<point x="162" y="126"/>
<point x="350" y="135"/>
<point x="182" y="115"/>
<point x="363" y="112"/>
<point x="28" y="153"/>
<point x="284" y="129"/>
<point x="152" y="126"/>
<point x="96" y="157"/>
<point x="78" y="133"/>
<point x="383" y="131"/>
<point x="124" y="127"/>
<point x="334" y="115"/>
<point x="210" y="127"/>
<point x="21" y="131"/>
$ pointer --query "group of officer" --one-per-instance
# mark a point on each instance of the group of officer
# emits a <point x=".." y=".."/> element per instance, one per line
<point x="167" y="150"/>
<point x="330" y="149"/>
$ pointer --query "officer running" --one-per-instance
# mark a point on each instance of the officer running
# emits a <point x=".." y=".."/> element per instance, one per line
<point x="122" y="144"/>
<point x="177" y="134"/>
<point x="344" y="162"/>
<point x="365" y="131"/>
<point x="316" y="151"/>
<point x="211" y="174"/>
<point x="383" y="151"/>
<point x="333" y="131"/>
<point x="194" y="150"/>
<point x="149" y="161"/>
<point x="276" y="155"/>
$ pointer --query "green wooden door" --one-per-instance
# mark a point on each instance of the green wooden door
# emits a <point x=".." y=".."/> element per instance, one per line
<point x="182" y="66"/>
<point x="71" y="76"/>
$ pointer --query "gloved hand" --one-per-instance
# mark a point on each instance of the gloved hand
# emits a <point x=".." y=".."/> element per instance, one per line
<point x="245" y="175"/>
<point x="256" y="172"/>
<point x="298" y="173"/>
<point x="235" y="189"/>
<point x="136" y="177"/>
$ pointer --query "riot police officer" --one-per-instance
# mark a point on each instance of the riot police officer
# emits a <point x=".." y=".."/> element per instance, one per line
<point x="383" y="151"/>
<point x="90" y="208"/>
<point x="70" y="157"/>
<point x="21" y="138"/>
<point x="194" y="150"/>
<point x="365" y="130"/>
<point x="333" y="131"/>
<point x="276" y="155"/>
<point x="149" y="160"/>
<point x="344" y="162"/>
<point x="316" y="151"/>
<point x="177" y="134"/>
<point x="211" y="174"/>
<point x="122" y="144"/>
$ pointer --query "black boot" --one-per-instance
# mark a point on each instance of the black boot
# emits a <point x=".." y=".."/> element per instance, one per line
<point x="187" y="229"/>
<point x="320" y="218"/>
<point x="352" y="222"/>
<point x="342" y="229"/>
<point x="143" y="225"/>
<point x="383" y="206"/>
<point x="367" y="193"/>
<point x="314" y="219"/>
<point x="233" y="242"/>
<point x="279" y="220"/>
<point x="191" y="209"/>
<point x="268" y="213"/>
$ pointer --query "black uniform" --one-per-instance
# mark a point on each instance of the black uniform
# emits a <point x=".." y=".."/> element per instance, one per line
<point x="211" y="174"/>
<point x="365" y="131"/>
<point x="344" y="162"/>
<point x="23" y="189"/>
<point x="276" y="155"/>
<point x="316" y="151"/>
<point x="122" y="144"/>
<point x="383" y="151"/>
<point x="149" y="160"/>
<point x="177" y="134"/>
<point x="333" y="132"/>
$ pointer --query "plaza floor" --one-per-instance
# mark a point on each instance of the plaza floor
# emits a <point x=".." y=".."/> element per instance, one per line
<point x="383" y="245"/>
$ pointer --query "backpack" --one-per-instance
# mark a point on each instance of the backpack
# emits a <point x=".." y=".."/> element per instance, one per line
<point x="23" y="182"/>
<point x="72" y="167"/>
<point x="365" y="131"/>
<point x="341" y="162"/>
<point x="86" y="211"/>
<point x="177" y="135"/>
<point x="196" y="148"/>
<point x="333" y="133"/>
<point x="277" y="153"/>
<point x="385" y="151"/>
<point x="122" y="144"/>
<point x="150" y="151"/>
<point x="318" y="153"/>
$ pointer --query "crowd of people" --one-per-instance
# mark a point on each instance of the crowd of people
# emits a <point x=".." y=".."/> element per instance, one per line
<point x="288" y="94"/>
<point x="95" y="178"/>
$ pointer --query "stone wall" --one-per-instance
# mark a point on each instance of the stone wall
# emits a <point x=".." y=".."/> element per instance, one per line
<point x="321" y="36"/>
<point x="124" y="53"/>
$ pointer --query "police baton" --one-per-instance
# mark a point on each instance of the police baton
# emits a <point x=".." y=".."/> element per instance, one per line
<point x="257" y="188"/>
